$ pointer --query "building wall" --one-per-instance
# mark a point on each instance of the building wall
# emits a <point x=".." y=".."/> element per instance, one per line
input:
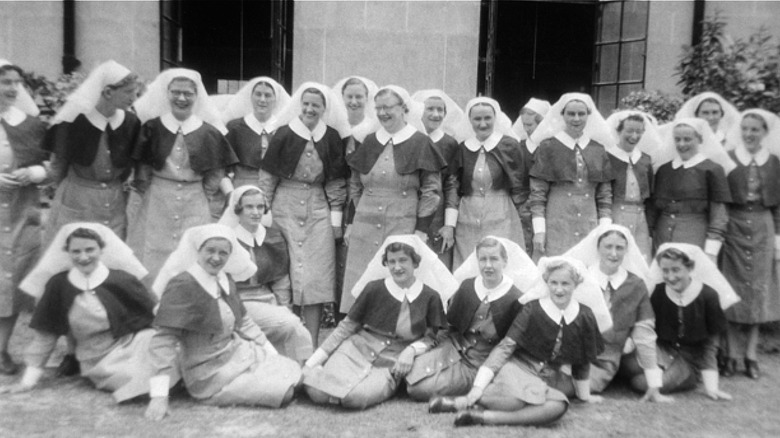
<point x="745" y="17"/>
<point x="670" y="26"/>
<point x="414" y="44"/>
<point x="31" y="35"/>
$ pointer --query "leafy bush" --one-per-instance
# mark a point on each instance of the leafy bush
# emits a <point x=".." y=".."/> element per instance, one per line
<point x="51" y="95"/>
<point x="661" y="105"/>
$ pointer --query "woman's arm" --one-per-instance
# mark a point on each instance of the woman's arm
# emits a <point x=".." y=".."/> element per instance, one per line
<point x="267" y="183"/>
<point x="35" y="357"/>
<point x="162" y="354"/>
<point x="716" y="228"/>
<point x="345" y="329"/>
<point x="430" y="187"/>
<point x="604" y="202"/>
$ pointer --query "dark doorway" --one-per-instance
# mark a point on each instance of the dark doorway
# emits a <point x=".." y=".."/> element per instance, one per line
<point x="229" y="41"/>
<point x="537" y="49"/>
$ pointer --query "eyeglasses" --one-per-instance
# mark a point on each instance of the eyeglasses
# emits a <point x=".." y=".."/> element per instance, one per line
<point x="386" y="108"/>
<point x="186" y="94"/>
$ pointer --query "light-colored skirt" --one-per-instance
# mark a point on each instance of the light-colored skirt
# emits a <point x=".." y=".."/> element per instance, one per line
<point x="20" y="244"/>
<point x="681" y="228"/>
<point x="520" y="379"/>
<point x="633" y="217"/>
<point x="571" y="214"/>
<point x="82" y="200"/>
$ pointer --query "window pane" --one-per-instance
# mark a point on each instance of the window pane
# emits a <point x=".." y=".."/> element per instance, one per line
<point x="608" y="63"/>
<point x="610" y="22"/>
<point x="635" y="19"/>
<point x="625" y="90"/>
<point x="606" y="99"/>
<point x="632" y="61"/>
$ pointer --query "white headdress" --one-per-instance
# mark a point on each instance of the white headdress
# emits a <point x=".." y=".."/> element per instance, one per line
<point x="519" y="267"/>
<point x="772" y="140"/>
<point x="335" y="115"/>
<point x="229" y="217"/>
<point x="455" y="123"/>
<point x="650" y="143"/>
<point x="709" y="147"/>
<point x="116" y="255"/>
<point x="502" y="124"/>
<point x="588" y="292"/>
<point x="370" y="123"/>
<point x="24" y="101"/>
<point x="431" y="271"/>
<point x="730" y="112"/>
<point x="220" y="101"/>
<point x="155" y="103"/>
<point x="240" y="104"/>
<point x="239" y="265"/>
<point x="596" y="127"/>
<point x="87" y="95"/>
<point x="539" y="106"/>
<point x="587" y="250"/>
<point x="704" y="271"/>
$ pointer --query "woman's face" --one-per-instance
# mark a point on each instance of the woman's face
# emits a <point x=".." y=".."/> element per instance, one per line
<point x="390" y="112"/>
<point x="182" y="96"/>
<point x="687" y="141"/>
<point x="631" y="134"/>
<point x="561" y="287"/>
<point x="355" y="97"/>
<point x="252" y="211"/>
<point x="123" y="97"/>
<point x="401" y="268"/>
<point x="528" y="119"/>
<point x="483" y="119"/>
<point x="612" y="249"/>
<point x="10" y="81"/>
<point x="214" y="254"/>
<point x="312" y="108"/>
<point x="753" y="131"/>
<point x="84" y="254"/>
<point x="575" y="115"/>
<point x="491" y="264"/>
<point x="433" y="114"/>
<point x="263" y="100"/>
<point x="711" y="112"/>
<point x="675" y="274"/>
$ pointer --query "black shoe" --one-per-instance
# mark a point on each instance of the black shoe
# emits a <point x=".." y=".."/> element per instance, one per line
<point x="751" y="369"/>
<point x="439" y="405"/>
<point x="729" y="368"/>
<point x="7" y="365"/>
<point x="69" y="366"/>
<point x="470" y="417"/>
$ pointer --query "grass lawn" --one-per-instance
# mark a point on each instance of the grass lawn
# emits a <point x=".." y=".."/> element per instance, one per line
<point x="71" y="407"/>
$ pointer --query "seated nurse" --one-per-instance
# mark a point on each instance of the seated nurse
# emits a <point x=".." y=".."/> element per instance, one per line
<point x="88" y="288"/>
<point x="395" y="318"/>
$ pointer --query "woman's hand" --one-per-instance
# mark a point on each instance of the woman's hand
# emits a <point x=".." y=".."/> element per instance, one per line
<point x="421" y="235"/>
<point x="447" y="234"/>
<point x="157" y="409"/>
<point x="404" y="363"/>
<point x="347" y="233"/>
<point x="16" y="388"/>
<point x="338" y="233"/>
<point x="8" y="182"/>
<point x="717" y="394"/>
<point x="23" y="176"/>
<point x="593" y="398"/>
<point x="474" y="395"/>
<point x="540" y="240"/>
<point x="654" y="395"/>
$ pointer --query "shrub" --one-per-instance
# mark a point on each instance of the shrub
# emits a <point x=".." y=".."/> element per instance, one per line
<point x="661" y="105"/>
<point x="51" y="95"/>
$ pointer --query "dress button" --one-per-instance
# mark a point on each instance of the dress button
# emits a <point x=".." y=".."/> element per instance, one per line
<point x="303" y="202"/>
<point x="178" y="167"/>
<point x="569" y="194"/>
<point x="178" y="198"/>
<point x="300" y="243"/>
<point x="300" y="223"/>
<point x="622" y="207"/>
<point x="403" y="193"/>
<point x="380" y="208"/>
<point x="107" y="205"/>
<point x="579" y="214"/>
<point x="376" y="243"/>
<point x="577" y="233"/>
<point x="8" y="275"/>
<point x="300" y="265"/>
<point x="179" y="185"/>
<point x="103" y="185"/>
<point x="370" y="190"/>
<point x="379" y="226"/>
<point x="384" y="172"/>
<point x="672" y="216"/>
<point x="587" y="195"/>
<point x="176" y="217"/>
<point x="105" y="222"/>
<point x="305" y="175"/>
<point x="9" y="252"/>
<point x="7" y="229"/>
<point x="5" y="205"/>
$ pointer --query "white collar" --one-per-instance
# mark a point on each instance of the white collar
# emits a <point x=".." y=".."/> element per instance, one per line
<point x="491" y="142"/>
<point x="247" y="237"/>
<point x="720" y="135"/>
<point x="568" y="314"/>
<point x="745" y="157"/>
<point x="624" y="156"/>
<point x="100" y="121"/>
<point x="297" y="126"/>
<point x="173" y="124"/>
<point x="687" y="296"/>
<point x="570" y="143"/>
<point x="209" y="282"/>
<point x="399" y="293"/>
<point x="436" y="135"/>
<point x="81" y="281"/>
<point x="530" y="145"/>
<point x="617" y="279"/>
<point x="399" y="137"/>
<point x="259" y="127"/>
<point x="492" y="294"/>
<point x="13" y="116"/>
<point x="694" y="160"/>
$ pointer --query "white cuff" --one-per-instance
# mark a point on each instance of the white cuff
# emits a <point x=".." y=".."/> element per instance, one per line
<point x="629" y="346"/>
<point x="419" y="347"/>
<point x="158" y="386"/>
<point x="450" y="217"/>
<point x="267" y="219"/>
<point x="226" y="185"/>
<point x="269" y="348"/>
<point x="539" y="224"/>
<point x="605" y="221"/>
<point x="317" y="358"/>
<point x="712" y="246"/>
<point x="31" y="376"/>
<point x="654" y="377"/>
<point x="483" y="378"/>
<point x="710" y="380"/>
<point x="582" y="389"/>
<point x="336" y="218"/>
<point x="37" y="174"/>
<point x="777" y="242"/>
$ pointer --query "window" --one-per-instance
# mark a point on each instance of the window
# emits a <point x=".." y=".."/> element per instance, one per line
<point x="170" y="34"/>
<point x="620" y="49"/>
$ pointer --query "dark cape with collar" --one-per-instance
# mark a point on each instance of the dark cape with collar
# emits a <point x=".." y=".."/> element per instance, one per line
<point x="643" y="169"/>
<point x="78" y="141"/>
<point x="25" y="139"/>
<point x="465" y="302"/>
<point x="285" y="149"/>
<point x="509" y="156"/>
<point x="415" y="153"/>
<point x="769" y="173"/>
<point x="208" y="149"/>
<point x="128" y="304"/>
<point x="700" y="319"/>
<point x="246" y="143"/>
<point x="554" y="161"/>
<point x="271" y="258"/>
